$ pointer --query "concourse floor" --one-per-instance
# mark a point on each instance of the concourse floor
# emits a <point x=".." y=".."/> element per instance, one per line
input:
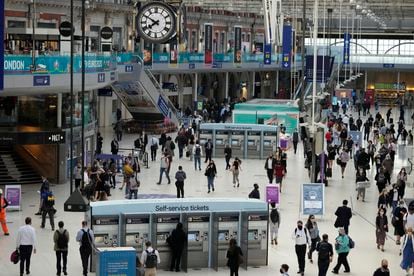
<point x="364" y="259"/>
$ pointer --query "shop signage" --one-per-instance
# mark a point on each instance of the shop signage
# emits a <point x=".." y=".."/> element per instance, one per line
<point x="41" y="80"/>
<point x="388" y="65"/>
<point x="106" y="32"/>
<point x="391" y="86"/>
<point x="313" y="199"/>
<point x="13" y="194"/>
<point x="2" y="45"/>
<point x="32" y="138"/>
<point x="66" y="29"/>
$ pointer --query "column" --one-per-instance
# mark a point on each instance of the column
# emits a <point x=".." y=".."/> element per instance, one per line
<point x="277" y="85"/>
<point x="366" y="81"/>
<point x="59" y="110"/>
<point x="226" y="87"/>
<point x="195" y="87"/>
<point x="253" y="84"/>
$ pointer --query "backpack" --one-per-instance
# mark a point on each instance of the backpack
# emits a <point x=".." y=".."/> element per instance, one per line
<point x="172" y="145"/>
<point x="136" y="167"/>
<point x="134" y="183"/>
<point x="324" y="250"/>
<point x="86" y="241"/>
<point x="351" y="243"/>
<point x="50" y="200"/>
<point x="62" y="241"/>
<point x="274" y="216"/>
<point x="198" y="151"/>
<point x="381" y="178"/>
<point x="151" y="260"/>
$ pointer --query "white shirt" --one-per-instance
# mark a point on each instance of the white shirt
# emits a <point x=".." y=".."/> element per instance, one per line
<point x="144" y="255"/>
<point x="409" y="220"/>
<point x="80" y="234"/>
<point x="269" y="164"/>
<point x="26" y="236"/>
<point x="301" y="237"/>
<point x="154" y="141"/>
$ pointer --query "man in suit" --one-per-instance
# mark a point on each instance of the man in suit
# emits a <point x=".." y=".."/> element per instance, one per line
<point x="343" y="216"/>
<point x="269" y="166"/>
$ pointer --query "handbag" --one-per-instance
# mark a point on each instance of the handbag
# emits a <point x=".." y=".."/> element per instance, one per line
<point x="15" y="256"/>
<point x="338" y="161"/>
<point x="240" y="259"/>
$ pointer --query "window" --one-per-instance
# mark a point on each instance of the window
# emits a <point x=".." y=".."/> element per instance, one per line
<point x="193" y="45"/>
<point x="407" y="47"/>
<point x="16" y="24"/>
<point x="222" y="42"/>
<point x="385" y="45"/>
<point x="46" y="25"/>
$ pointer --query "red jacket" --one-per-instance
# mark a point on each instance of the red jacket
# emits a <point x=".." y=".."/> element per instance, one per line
<point x="279" y="170"/>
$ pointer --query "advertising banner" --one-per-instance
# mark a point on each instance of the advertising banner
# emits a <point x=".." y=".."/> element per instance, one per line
<point x="163" y="107"/>
<point x="173" y="53"/>
<point x="313" y="199"/>
<point x="116" y="261"/>
<point x="272" y="193"/>
<point x="237" y="45"/>
<point x="267" y="59"/>
<point x="2" y="44"/>
<point x="13" y="194"/>
<point x="287" y="47"/>
<point x="347" y="47"/>
<point x="208" y="43"/>
<point x="147" y="55"/>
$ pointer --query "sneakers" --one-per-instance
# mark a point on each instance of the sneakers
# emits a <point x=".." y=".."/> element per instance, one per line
<point x="38" y="214"/>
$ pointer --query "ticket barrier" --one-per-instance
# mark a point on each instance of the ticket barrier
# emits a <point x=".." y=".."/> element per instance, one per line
<point x="228" y="227"/>
<point x="221" y="139"/>
<point x="106" y="233"/>
<point x="269" y="143"/>
<point x="163" y="225"/>
<point x="197" y="240"/>
<point x="253" y="144"/>
<point x="137" y="231"/>
<point x="237" y="144"/>
<point x="257" y="239"/>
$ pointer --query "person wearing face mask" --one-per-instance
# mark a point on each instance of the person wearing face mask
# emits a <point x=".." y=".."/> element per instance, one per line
<point x="401" y="181"/>
<point x="284" y="269"/>
<point x="302" y="239"/>
<point x="325" y="255"/>
<point x="383" y="270"/>
<point x="407" y="251"/>
<point x="398" y="221"/>
<point x="313" y="229"/>
<point x="381" y="223"/>
<point x="342" y="249"/>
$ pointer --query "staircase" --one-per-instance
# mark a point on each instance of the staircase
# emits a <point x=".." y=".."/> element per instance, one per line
<point x="14" y="170"/>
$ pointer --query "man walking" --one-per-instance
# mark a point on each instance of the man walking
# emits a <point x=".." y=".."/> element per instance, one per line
<point x="61" y="240"/>
<point x="44" y="188"/>
<point x="295" y="140"/>
<point x="150" y="258"/>
<point x="325" y="255"/>
<point x="302" y="238"/>
<point x="180" y="176"/>
<point x="26" y="243"/>
<point x="343" y="216"/>
<point x="85" y="238"/>
<point x="47" y="209"/>
<point x="269" y="167"/>
<point x="154" y="148"/>
<point x="114" y="147"/>
<point x="177" y="241"/>
<point x="209" y="150"/>
<point x="197" y="152"/>
<point x="165" y="164"/>
<point x="3" y="205"/>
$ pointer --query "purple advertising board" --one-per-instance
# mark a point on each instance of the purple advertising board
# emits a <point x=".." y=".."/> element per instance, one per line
<point x="272" y="193"/>
<point x="13" y="195"/>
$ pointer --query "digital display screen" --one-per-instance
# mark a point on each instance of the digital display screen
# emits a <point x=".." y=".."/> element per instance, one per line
<point x="252" y="235"/>
<point x="250" y="142"/>
<point x="99" y="239"/>
<point x="234" y="142"/>
<point x="219" y="141"/>
<point x="192" y="237"/>
<point x="267" y="143"/>
<point x="222" y="236"/>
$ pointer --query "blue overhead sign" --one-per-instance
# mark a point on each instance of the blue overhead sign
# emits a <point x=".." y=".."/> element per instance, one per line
<point x="347" y="47"/>
<point x="356" y="136"/>
<point x="43" y="80"/>
<point x="267" y="58"/>
<point x="2" y="45"/>
<point x="287" y="47"/>
<point x="163" y="107"/>
<point x="388" y="65"/>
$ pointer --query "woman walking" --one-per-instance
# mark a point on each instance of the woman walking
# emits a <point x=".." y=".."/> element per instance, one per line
<point x="234" y="257"/>
<point x="313" y="229"/>
<point x="235" y="169"/>
<point x="381" y="224"/>
<point x="401" y="181"/>
<point x="343" y="160"/>
<point x="279" y="172"/>
<point x="211" y="173"/>
<point x="342" y="249"/>
<point x="407" y="251"/>
<point x="398" y="221"/>
<point x="227" y="156"/>
<point x="274" y="223"/>
<point x="361" y="177"/>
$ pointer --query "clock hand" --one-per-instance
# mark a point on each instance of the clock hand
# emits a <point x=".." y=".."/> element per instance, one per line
<point x="155" y="22"/>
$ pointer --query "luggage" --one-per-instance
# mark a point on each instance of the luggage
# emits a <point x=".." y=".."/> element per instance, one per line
<point x="329" y="172"/>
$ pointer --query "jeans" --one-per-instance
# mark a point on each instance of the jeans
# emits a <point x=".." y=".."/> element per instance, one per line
<point x="153" y="153"/>
<point x="323" y="267"/>
<point x="228" y="163"/>
<point x="295" y="147"/>
<point x="180" y="189"/>
<point x="119" y="135"/>
<point x="51" y="213"/>
<point x="85" y="260"/>
<point x="270" y="175"/>
<point x="162" y="170"/>
<point x="112" y="180"/>
<point x="208" y="155"/>
<point x="134" y="193"/>
<point x="210" y="182"/>
<point x="234" y="270"/>
<point x="25" y="254"/>
<point x="64" y="256"/>
<point x="175" y="260"/>
<point x="301" y="253"/>
<point x="197" y="160"/>
<point x="342" y="260"/>
<point x="180" y="152"/>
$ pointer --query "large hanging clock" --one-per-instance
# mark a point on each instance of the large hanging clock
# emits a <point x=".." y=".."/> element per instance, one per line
<point x="156" y="22"/>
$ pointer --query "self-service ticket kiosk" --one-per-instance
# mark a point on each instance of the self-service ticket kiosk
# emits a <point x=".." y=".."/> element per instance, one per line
<point x="205" y="134"/>
<point x="221" y="139"/>
<point x="253" y="144"/>
<point x="136" y="231"/>
<point x="164" y="224"/>
<point x="237" y="143"/>
<point x="106" y="233"/>
<point x="198" y="240"/>
<point x="228" y="227"/>
<point x="257" y="239"/>
<point x="269" y="142"/>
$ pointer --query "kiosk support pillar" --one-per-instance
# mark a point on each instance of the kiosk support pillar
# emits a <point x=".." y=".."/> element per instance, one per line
<point x="195" y="87"/>
<point x="226" y="87"/>
<point x="366" y="80"/>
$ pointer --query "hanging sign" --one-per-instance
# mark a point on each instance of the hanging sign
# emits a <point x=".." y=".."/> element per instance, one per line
<point x="237" y="45"/>
<point x="347" y="47"/>
<point x="287" y="47"/>
<point x="208" y="43"/>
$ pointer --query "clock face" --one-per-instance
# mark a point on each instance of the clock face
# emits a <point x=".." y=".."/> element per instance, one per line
<point x="156" y="22"/>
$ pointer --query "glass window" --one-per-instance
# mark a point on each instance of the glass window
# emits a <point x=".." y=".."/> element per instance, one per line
<point x="193" y="45"/>
<point x="385" y="46"/>
<point x="46" y="25"/>
<point x="407" y="47"/>
<point x="16" y="24"/>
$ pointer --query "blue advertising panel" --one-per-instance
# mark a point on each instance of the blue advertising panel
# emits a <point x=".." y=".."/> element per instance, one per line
<point x="163" y="106"/>
<point x="41" y="80"/>
<point x="356" y="136"/>
<point x="287" y="47"/>
<point x="267" y="58"/>
<point x="347" y="47"/>
<point x="313" y="199"/>
<point x="116" y="261"/>
<point x="2" y="45"/>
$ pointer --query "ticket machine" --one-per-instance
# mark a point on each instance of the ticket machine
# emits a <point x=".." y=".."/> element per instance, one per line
<point x="106" y="233"/>
<point x="164" y="224"/>
<point x="253" y="144"/>
<point x="222" y="138"/>
<point x="198" y="240"/>
<point x="205" y="134"/>
<point x="228" y="227"/>
<point x="257" y="238"/>
<point x="269" y="142"/>
<point x="237" y="143"/>
<point x="135" y="231"/>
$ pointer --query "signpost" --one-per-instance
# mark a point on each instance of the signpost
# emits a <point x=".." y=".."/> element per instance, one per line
<point x="272" y="193"/>
<point x="13" y="194"/>
<point x="66" y="29"/>
<point x="313" y="199"/>
<point x="163" y="107"/>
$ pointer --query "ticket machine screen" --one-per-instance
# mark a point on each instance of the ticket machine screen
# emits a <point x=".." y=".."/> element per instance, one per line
<point x="192" y="237"/>
<point x="234" y="142"/>
<point x="250" y="142"/>
<point x="267" y="143"/>
<point x="99" y="239"/>
<point x="219" y="142"/>
<point x="253" y="235"/>
<point x="222" y="236"/>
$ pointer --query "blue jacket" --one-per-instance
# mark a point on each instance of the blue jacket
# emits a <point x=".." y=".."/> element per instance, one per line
<point x="343" y="242"/>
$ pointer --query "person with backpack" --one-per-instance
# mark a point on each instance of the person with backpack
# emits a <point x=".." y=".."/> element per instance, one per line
<point x="44" y="188"/>
<point x="302" y="240"/>
<point x="227" y="156"/>
<point x="150" y="258"/>
<point x="274" y="223"/>
<point x="197" y="152"/>
<point x="325" y="255"/>
<point x="48" y="209"/>
<point x="61" y="241"/>
<point x="85" y="238"/>
<point x="154" y="147"/>
<point x="234" y="257"/>
<point x="342" y="247"/>
<point x="211" y="173"/>
<point x="177" y="241"/>
<point x="180" y="176"/>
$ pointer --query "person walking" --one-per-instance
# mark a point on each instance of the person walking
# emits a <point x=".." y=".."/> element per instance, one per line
<point x="401" y="182"/>
<point x="133" y="184"/>
<point x="112" y="173"/>
<point x="343" y="160"/>
<point x="118" y="130"/>
<point x="114" y="147"/>
<point x="398" y="221"/>
<point x="325" y="255"/>
<point x="154" y="147"/>
<point x="279" y="173"/>
<point x="77" y="174"/>
<point x="284" y="269"/>
<point x="235" y="169"/>
<point x="197" y="152"/>
<point x="383" y="269"/>
<point x="3" y="205"/>
<point x="302" y="239"/>
<point x="61" y="241"/>
<point x="255" y="193"/>
<point x="227" y="156"/>
<point x="381" y="226"/>
<point x="150" y="259"/>
<point x="43" y="189"/>
<point x="342" y="249"/>
<point x="343" y="216"/>
<point x="360" y="179"/>
<point x="85" y="237"/>
<point x="180" y="176"/>
<point x="26" y="244"/>
<point x="313" y="230"/>
<point x="177" y="239"/>
<point x="274" y="223"/>
<point x="407" y="251"/>
<point x="211" y="173"/>
<point x="269" y="167"/>
<point x="208" y="147"/>
<point x="234" y="256"/>
<point x="48" y="209"/>
<point x="165" y="163"/>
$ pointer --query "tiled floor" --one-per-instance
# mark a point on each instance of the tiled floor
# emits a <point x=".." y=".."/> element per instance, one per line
<point x="364" y="259"/>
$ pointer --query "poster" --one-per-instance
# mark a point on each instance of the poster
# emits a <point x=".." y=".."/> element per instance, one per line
<point x="147" y="54"/>
<point x="287" y="47"/>
<point x="116" y="261"/>
<point x="347" y="48"/>
<point x="208" y="43"/>
<point x="173" y="53"/>
<point x="313" y="199"/>
<point x="272" y="193"/>
<point x="13" y="194"/>
<point x="237" y="45"/>
<point x="267" y="59"/>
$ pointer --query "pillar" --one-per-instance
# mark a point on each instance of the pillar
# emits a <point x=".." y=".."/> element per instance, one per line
<point x="277" y="84"/>
<point x="253" y="84"/>
<point x="59" y="110"/>
<point x="195" y="87"/>
<point x="366" y="81"/>
<point x="226" y="87"/>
